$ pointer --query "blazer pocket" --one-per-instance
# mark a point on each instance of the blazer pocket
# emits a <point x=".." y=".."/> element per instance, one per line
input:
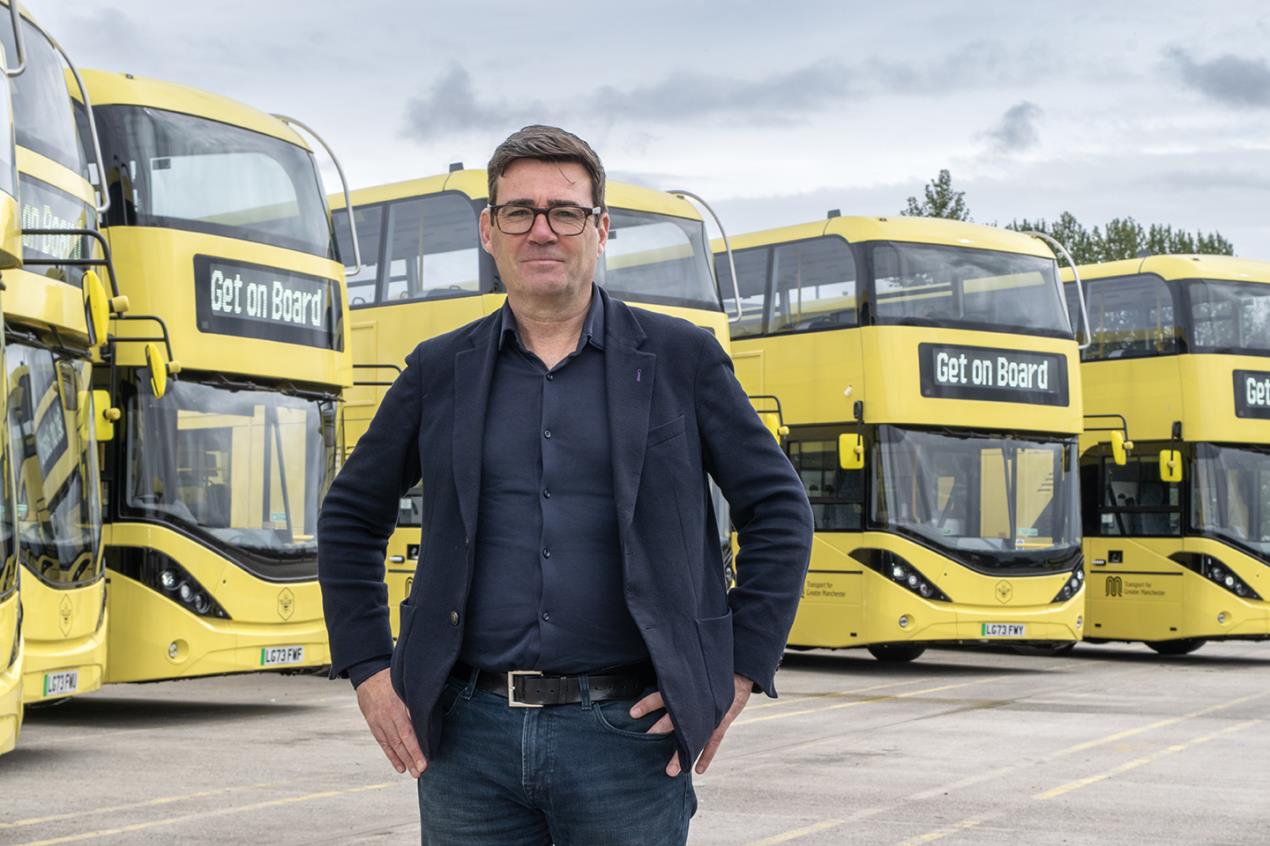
<point x="663" y="432"/>
<point x="396" y="668"/>
<point x="715" y="635"/>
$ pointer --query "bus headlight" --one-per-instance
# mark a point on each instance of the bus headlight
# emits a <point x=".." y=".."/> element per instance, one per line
<point x="901" y="572"/>
<point x="1073" y="584"/>
<point x="1216" y="572"/>
<point x="162" y="574"/>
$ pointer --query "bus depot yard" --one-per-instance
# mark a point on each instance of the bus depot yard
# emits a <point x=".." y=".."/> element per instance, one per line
<point x="1109" y="744"/>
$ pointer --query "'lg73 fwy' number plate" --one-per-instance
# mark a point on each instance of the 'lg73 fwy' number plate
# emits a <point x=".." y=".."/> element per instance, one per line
<point x="1003" y="629"/>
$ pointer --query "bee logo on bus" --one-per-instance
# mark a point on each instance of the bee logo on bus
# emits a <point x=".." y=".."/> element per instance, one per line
<point x="1115" y="586"/>
<point x="1005" y="592"/>
<point x="286" y="603"/>
<point x="64" y="613"/>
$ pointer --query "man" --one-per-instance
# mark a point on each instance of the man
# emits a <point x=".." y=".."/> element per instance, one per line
<point x="568" y="648"/>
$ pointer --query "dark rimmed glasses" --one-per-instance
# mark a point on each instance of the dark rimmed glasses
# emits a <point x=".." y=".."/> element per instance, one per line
<point x="514" y="219"/>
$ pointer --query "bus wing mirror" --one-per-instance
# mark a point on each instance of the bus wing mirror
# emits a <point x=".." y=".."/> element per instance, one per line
<point x="107" y="416"/>
<point x="158" y="370"/>
<point x="1170" y="465"/>
<point x="96" y="306"/>
<point x="1120" y="447"/>
<point x="851" y="451"/>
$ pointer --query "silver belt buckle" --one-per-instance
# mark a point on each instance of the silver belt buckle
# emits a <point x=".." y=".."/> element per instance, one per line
<point x="511" y="688"/>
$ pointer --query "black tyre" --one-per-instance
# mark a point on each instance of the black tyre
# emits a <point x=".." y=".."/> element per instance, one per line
<point x="896" y="653"/>
<point x="1184" y="646"/>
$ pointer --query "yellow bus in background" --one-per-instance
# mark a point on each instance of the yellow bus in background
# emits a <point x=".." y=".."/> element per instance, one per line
<point x="220" y="231"/>
<point x="925" y="377"/>
<point x="10" y="257"/>
<point x="50" y="407"/>
<point x="424" y="273"/>
<point x="1177" y="539"/>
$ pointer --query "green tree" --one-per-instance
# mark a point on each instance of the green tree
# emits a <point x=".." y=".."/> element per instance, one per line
<point x="940" y="200"/>
<point x="1123" y="238"/>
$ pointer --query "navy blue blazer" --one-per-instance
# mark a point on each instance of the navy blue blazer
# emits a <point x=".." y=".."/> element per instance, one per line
<point x="676" y="414"/>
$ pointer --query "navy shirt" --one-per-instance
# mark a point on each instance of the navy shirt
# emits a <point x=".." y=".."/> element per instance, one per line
<point x="547" y="591"/>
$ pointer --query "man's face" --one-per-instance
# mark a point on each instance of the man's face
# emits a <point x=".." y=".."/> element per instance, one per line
<point x="541" y="263"/>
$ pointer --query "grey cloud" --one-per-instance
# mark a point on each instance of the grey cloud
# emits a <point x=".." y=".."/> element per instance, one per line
<point x="972" y="64"/>
<point x="1016" y="130"/>
<point x="694" y="94"/>
<point x="454" y="105"/>
<point x="1228" y="78"/>
<point x="1223" y="181"/>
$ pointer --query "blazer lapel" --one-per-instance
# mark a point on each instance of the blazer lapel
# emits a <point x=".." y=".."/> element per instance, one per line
<point x="629" y="374"/>
<point x="473" y="373"/>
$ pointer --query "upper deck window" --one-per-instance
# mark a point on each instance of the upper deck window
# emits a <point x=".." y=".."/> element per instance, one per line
<point x="812" y="287"/>
<point x="935" y="285"/>
<point x="412" y="249"/>
<point x="1229" y="317"/>
<point x="176" y="171"/>
<point x="751" y="275"/>
<point x="815" y="286"/>
<point x="657" y="259"/>
<point x="43" y="120"/>
<point x="1131" y="317"/>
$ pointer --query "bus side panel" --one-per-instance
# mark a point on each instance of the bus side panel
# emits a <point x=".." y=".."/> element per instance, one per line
<point x="10" y="675"/>
<point x="820" y="374"/>
<point x="1208" y="397"/>
<point x="830" y="613"/>
<point x="1144" y="390"/>
<point x="1139" y="598"/>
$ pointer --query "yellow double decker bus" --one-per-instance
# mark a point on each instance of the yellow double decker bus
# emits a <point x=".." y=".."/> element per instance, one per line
<point x="50" y="341"/>
<point x="1177" y="538"/>
<point x="423" y="273"/>
<point x="222" y="238"/>
<point x="10" y="257"/>
<point x="924" y="375"/>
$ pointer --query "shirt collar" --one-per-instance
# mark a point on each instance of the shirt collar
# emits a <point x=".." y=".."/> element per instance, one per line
<point x="592" y="327"/>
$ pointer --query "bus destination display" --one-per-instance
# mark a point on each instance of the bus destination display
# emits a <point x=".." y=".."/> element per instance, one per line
<point x="1252" y="394"/>
<point x="952" y="371"/>
<point x="255" y="301"/>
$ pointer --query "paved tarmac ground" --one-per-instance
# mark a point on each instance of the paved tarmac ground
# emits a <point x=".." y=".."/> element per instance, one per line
<point x="1113" y="745"/>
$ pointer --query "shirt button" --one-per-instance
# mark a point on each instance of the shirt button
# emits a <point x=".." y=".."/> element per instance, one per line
<point x="546" y="433"/>
<point x="546" y="553"/>
<point x="454" y="618"/>
<point x="551" y="377"/>
<point x="546" y="494"/>
<point x="546" y="617"/>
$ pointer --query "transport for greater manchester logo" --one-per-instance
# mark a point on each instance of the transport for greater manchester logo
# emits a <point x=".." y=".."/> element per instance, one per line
<point x="286" y="603"/>
<point x="1005" y="592"/>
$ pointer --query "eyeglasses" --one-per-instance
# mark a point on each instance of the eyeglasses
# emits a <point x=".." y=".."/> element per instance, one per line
<point x="563" y="220"/>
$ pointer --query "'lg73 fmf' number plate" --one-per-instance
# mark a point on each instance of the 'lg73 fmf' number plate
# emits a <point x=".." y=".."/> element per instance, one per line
<point x="274" y="655"/>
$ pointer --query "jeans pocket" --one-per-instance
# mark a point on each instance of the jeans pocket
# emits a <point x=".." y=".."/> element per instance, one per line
<point x="451" y="697"/>
<point x="614" y="717"/>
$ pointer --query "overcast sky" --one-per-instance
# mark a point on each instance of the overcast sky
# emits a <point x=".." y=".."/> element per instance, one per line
<point x="774" y="112"/>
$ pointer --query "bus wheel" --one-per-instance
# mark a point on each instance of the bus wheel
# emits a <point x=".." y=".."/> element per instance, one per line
<point x="1185" y="646"/>
<point x="896" y="653"/>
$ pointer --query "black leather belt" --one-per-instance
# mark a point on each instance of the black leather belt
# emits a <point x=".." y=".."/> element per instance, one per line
<point x="533" y="689"/>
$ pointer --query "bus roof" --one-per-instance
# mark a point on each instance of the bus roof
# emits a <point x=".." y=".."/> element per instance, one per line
<point x="473" y="183"/>
<point x="919" y="230"/>
<point x="1179" y="267"/>
<point x="107" y="88"/>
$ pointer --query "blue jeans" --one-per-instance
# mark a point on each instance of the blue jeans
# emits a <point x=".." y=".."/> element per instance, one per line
<point x="573" y="775"/>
